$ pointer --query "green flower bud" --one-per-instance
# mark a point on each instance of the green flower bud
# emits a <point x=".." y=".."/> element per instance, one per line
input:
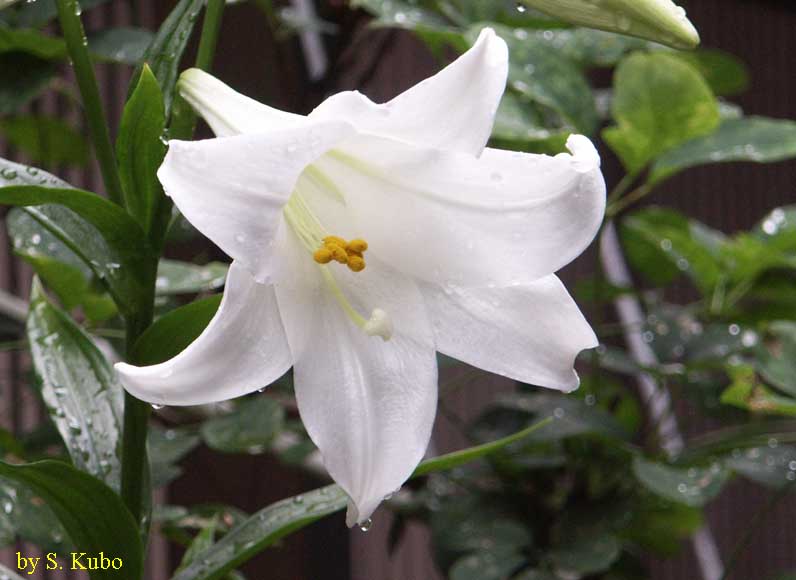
<point x="658" y="20"/>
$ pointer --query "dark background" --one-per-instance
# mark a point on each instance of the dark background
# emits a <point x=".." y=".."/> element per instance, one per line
<point x="381" y="63"/>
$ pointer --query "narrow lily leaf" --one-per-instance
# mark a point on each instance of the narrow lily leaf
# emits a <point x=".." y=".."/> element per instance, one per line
<point x="123" y="45"/>
<point x="658" y="20"/>
<point x="166" y="49"/>
<point x="270" y="524"/>
<point x="175" y="277"/>
<point x="752" y="139"/>
<point x="692" y="486"/>
<point x="92" y="514"/>
<point x="659" y="103"/>
<point x="173" y="332"/>
<point x="79" y="389"/>
<point x="140" y="152"/>
<point x="98" y="231"/>
<point x="203" y="541"/>
<point x="32" y="42"/>
<point x="59" y="268"/>
<point x="451" y="460"/>
<point x="46" y="140"/>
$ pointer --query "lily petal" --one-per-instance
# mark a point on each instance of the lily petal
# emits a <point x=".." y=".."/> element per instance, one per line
<point x="529" y="333"/>
<point x="227" y="111"/>
<point x="451" y="219"/>
<point x="232" y="189"/>
<point x="368" y="404"/>
<point x="454" y="109"/>
<point x="244" y="348"/>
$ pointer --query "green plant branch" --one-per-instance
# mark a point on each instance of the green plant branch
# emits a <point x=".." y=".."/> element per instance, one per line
<point x="624" y="202"/>
<point x="77" y="45"/>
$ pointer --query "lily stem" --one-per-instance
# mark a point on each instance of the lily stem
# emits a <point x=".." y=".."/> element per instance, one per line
<point x="183" y="119"/>
<point x="136" y="412"/>
<point x="77" y="45"/>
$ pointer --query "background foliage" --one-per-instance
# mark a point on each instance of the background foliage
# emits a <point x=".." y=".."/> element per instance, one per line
<point x="576" y="486"/>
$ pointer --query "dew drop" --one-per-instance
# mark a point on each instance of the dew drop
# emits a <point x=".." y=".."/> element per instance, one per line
<point x="366" y="525"/>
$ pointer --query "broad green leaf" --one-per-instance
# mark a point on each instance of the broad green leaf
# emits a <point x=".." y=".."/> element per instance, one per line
<point x="91" y="513"/>
<point x="591" y="48"/>
<point x="59" y="268"/>
<point x="752" y="139"/>
<point x="46" y="140"/>
<point x="172" y="332"/>
<point x="469" y="523"/>
<point x="772" y="465"/>
<point x="693" y="486"/>
<point x="570" y="417"/>
<point x="586" y="552"/>
<point x="658" y="20"/>
<point x="175" y="277"/>
<point x="164" y="53"/>
<point x="661" y="526"/>
<point x="487" y="565"/>
<point x="662" y="244"/>
<point x="78" y="387"/>
<point x="659" y="103"/>
<point x="519" y="126"/>
<point x="270" y="524"/>
<point x="726" y="74"/>
<point x="25" y="77"/>
<point x="546" y="77"/>
<point x="38" y="13"/>
<point x="95" y="229"/>
<point x="250" y="428"/>
<point x="140" y="152"/>
<point x="24" y="516"/>
<point x="777" y="357"/>
<point x="166" y="448"/>
<point x="747" y="392"/>
<point x="123" y="45"/>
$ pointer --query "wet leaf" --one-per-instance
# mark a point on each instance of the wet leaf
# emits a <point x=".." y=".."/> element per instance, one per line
<point x="250" y="428"/>
<point x="176" y="277"/>
<point x="693" y="486"/>
<point x="79" y="389"/>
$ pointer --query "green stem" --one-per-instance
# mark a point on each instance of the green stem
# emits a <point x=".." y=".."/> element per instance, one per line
<point x="136" y="412"/>
<point x="636" y="195"/>
<point x="183" y="119"/>
<point x="76" y="44"/>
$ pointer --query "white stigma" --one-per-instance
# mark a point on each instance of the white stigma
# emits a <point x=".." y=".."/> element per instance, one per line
<point x="380" y="324"/>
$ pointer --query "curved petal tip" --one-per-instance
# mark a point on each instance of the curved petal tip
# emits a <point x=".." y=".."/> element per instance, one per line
<point x="586" y="157"/>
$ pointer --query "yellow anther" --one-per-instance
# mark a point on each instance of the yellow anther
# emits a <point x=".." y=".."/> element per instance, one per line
<point x="334" y="240"/>
<point x="322" y="255"/>
<point x="357" y="245"/>
<point x="356" y="263"/>
<point x="338" y="253"/>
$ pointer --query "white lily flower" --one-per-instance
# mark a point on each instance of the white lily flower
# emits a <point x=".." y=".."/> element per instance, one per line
<point x="366" y="237"/>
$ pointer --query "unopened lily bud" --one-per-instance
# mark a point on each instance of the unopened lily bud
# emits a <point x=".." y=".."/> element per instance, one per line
<point x="661" y="21"/>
